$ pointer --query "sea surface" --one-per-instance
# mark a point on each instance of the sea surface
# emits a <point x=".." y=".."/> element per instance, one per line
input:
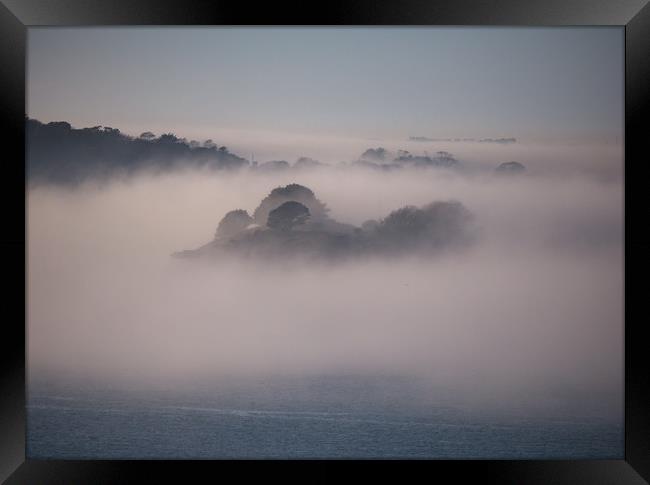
<point x="325" y="417"/>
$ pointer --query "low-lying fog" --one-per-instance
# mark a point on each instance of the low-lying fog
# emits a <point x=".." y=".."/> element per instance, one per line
<point x="550" y="157"/>
<point x="536" y="304"/>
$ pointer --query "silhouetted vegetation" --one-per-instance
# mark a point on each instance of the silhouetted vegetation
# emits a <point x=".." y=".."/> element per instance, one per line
<point x="510" y="168"/>
<point x="442" y="159"/>
<point x="433" y="226"/>
<point x="380" y="158"/>
<point x="286" y="227"/>
<point x="374" y="155"/>
<point x="233" y="223"/>
<point x="503" y="141"/>
<point x="292" y="192"/>
<point x="59" y="153"/>
<point x="287" y="216"/>
<point x="306" y="162"/>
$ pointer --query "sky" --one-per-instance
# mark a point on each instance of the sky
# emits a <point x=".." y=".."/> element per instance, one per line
<point x="534" y="84"/>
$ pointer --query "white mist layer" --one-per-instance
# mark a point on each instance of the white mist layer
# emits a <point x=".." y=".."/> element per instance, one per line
<point x="587" y="158"/>
<point x="538" y="301"/>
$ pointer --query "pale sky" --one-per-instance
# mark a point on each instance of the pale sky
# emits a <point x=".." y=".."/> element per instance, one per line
<point x="528" y="83"/>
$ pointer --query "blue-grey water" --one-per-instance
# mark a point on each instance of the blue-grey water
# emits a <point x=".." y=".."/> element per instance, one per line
<point x="326" y="417"/>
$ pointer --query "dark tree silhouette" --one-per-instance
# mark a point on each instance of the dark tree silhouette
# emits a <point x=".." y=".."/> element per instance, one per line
<point x="510" y="168"/>
<point x="503" y="141"/>
<point x="442" y="159"/>
<point x="168" y="138"/>
<point x="292" y="231"/>
<point x="295" y="192"/>
<point x="306" y="162"/>
<point x="288" y="215"/>
<point x="233" y="223"/>
<point x="374" y="155"/>
<point x="434" y="225"/>
<point x="58" y="153"/>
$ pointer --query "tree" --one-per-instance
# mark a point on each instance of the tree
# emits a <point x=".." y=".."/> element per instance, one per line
<point x="292" y="192"/>
<point x="111" y="131"/>
<point x="306" y="162"/>
<point x="147" y="135"/>
<point x="434" y="225"/>
<point x="60" y="125"/>
<point x="233" y="223"/>
<point x="374" y="155"/>
<point x="168" y="138"/>
<point x="288" y="215"/>
<point x="62" y="154"/>
<point x="510" y="167"/>
<point x="445" y="159"/>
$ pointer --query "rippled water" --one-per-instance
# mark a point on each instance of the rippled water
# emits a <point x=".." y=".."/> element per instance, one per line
<point x="327" y="419"/>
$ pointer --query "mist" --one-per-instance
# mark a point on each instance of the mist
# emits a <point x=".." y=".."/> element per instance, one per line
<point x="534" y="306"/>
<point x="588" y="157"/>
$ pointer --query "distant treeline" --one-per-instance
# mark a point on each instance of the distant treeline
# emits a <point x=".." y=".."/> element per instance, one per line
<point x="504" y="141"/>
<point x="57" y="152"/>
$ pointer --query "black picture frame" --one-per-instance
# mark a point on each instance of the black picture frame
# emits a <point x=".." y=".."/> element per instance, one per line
<point x="17" y="15"/>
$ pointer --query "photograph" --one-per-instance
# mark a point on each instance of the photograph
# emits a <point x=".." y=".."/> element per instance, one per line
<point x="325" y="242"/>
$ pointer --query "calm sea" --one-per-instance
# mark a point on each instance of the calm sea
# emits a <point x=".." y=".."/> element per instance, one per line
<point x="324" y="417"/>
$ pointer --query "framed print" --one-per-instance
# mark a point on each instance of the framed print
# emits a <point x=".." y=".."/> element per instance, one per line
<point x="374" y="233"/>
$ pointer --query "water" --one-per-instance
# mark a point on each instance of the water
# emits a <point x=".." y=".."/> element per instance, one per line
<point x="303" y="418"/>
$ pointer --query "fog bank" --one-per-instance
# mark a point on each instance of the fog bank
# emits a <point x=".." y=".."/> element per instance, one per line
<point x="536" y="303"/>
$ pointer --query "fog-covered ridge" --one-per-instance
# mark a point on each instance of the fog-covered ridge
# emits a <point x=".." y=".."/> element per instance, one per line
<point x="58" y="153"/>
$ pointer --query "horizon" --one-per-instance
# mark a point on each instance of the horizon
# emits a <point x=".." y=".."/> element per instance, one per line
<point x="601" y="159"/>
